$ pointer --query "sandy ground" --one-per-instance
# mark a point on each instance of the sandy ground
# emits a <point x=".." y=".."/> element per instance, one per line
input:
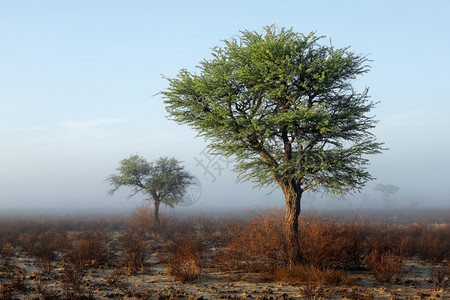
<point x="154" y="283"/>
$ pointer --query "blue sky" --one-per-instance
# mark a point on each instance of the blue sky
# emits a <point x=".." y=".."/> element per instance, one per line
<point x="78" y="81"/>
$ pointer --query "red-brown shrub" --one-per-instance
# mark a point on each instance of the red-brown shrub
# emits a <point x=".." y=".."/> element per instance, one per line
<point x="384" y="266"/>
<point x="185" y="267"/>
<point x="43" y="245"/>
<point x="310" y="274"/>
<point x="320" y="242"/>
<point x="332" y="243"/>
<point x="72" y="278"/>
<point x="136" y="252"/>
<point x="258" y="245"/>
<point x="391" y="239"/>
<point x="434" y="244"/>
<point x="142" y="221"/>
<point x="184" y="258"/>
<point x="440" y="272"/>
<point x="354" y="242"/>
<point x="91" y="248"/>
<point x="15" y="279"/>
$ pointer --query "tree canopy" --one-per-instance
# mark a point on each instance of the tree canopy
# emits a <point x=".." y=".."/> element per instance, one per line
<point x="387" y="190"/>
<point x="163" y="181"/>
<point x="283" y="106"/>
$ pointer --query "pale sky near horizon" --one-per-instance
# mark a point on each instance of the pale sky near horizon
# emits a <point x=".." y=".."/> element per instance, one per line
<point x="78" y="85"/>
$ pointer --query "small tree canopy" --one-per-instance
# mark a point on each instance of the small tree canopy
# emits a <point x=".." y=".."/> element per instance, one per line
<point x="387" y="190"/>
<point x="164" y="180"/>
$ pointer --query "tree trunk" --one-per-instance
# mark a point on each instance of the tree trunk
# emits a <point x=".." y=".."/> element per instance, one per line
<point x="292" y="194"/>
<point x="156" y="212"/>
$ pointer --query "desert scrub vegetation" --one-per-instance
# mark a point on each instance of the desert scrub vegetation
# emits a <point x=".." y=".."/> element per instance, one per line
<point x="384" y="266"/>
<point x="184" y="257"/>
<point x="255" y="246"/>
<point x="14" y="279"/>
<point x="309" y="274"/>
<point x="330" y="247"/>
<point x="136" y="252"/>
<point x="89" y="248"/>
<point x="335" y="251"/>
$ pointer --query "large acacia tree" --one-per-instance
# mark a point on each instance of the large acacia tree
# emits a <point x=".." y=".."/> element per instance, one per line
<point x="284" y="107"/>
<point x="163" y="181"/>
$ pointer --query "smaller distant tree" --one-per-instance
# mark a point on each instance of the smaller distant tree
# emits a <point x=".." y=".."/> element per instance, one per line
<point x="387" y="190"/>
<point x="163" y="181"/>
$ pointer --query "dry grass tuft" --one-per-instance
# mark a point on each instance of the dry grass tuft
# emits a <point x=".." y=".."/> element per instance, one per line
<point x="184" y="258"/>
<point x="307" y="274"/>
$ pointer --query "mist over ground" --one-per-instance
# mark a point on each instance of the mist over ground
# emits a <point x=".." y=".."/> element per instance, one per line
<point x="79" y="83"/>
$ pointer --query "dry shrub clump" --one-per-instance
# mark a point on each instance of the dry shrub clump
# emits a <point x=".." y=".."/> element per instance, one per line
<point x="255" y="246"/>
<point x="72" y="278"/>
<point x="90" y="249"/>
<point x="43" y="245"/>
<point x="318" y="242"/>
<point x="15" y="279"/>
<point x="142" y="221"/>
<point x="384" y="266"/>
<point x="136" y="252"/>
<point x="332" y="244"/>
<point x="260" y="246"/>
<point x="354" y="245"/>
<point x="313" y="292"/>
<point x="9" y="233"/>
<point x="439" y="273"/>
<point x="393" y="239"/>
<point x="212" y="231"/>
<point x="174" y="228"/>
<point x="184" y="258"/>
<point x="434" y="244"/>
<point x="327" y="247"/>
<point x="309" y="274"/>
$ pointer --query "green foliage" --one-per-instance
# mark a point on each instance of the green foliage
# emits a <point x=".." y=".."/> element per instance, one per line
<point x="284" y="107"/>
<point x="164" y="180"/>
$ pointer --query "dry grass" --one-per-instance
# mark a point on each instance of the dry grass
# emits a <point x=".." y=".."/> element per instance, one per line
<point x="313" y="292"/>
<point x="440" y="273"/>
<point x="308" y="274"/>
